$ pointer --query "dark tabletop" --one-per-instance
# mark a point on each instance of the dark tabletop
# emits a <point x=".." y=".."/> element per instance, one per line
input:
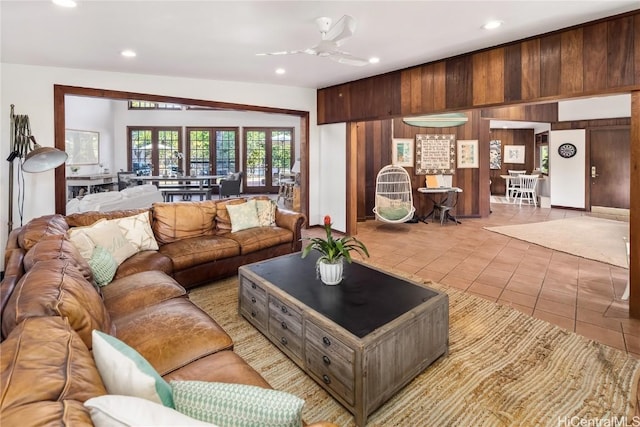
<point x="365" y="300"/>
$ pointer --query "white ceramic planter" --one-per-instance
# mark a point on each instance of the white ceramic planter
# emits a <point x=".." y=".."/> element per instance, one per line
<point x="330" y="274"/>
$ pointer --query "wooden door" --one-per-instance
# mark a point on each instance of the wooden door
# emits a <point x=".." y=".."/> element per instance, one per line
<point x="609" y="168"/>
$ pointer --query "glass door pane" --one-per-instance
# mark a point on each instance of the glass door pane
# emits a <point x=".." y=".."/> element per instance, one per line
<point x="256" y="160"/>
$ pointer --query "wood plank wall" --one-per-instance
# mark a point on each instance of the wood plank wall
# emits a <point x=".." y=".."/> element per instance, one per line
<point x="595" y="58"/>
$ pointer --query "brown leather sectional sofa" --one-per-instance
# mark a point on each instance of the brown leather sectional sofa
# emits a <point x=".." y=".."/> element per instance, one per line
<point x="50" y="305"/>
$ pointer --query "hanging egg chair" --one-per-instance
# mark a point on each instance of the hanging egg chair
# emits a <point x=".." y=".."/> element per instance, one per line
<point x="394" y="196"/>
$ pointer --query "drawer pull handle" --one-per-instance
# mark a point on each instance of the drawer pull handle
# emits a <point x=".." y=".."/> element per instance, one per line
<point x="253" y="314"/>
<point x="284" y="309"/>
<point x="326" y="379"/>
<point x="253" y="285"/>
<point x="326" y="360"/>
<point x="253" y="300"/>
<point x="284" y="325"/>
<point x="283" y="340"/>
<point x="326" y="341"/>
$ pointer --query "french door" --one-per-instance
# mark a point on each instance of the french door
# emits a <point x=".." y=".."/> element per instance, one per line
<point x="154" y="150"/>
<point x="268" y="157"/>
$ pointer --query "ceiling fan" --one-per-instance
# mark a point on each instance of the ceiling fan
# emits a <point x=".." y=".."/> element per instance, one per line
<point x="332" y="37"/>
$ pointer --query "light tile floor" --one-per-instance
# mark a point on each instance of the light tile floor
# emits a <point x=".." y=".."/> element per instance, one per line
<point x="577" y="294"/>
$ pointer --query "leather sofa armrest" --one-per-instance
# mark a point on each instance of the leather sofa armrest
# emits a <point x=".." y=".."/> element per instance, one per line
<point x="292" y="221"/>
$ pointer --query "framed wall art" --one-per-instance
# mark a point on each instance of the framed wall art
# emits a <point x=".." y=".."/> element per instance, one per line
<point x="402" y="154"/>
<point x="82" y="147"/>
<point x="514" y="153"/>
<point x="435" y="154"/>
<point x="495" y="154"/>
<point x="468" y="153"/>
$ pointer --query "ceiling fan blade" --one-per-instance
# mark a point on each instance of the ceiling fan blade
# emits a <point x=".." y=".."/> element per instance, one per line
<point x="283" y="52"/>
<point x="348" y="59"/>
<point x="342" y="30"/>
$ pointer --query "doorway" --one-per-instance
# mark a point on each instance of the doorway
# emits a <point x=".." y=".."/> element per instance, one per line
<point x="609" y="168"/>
<point x="269" y="155"/>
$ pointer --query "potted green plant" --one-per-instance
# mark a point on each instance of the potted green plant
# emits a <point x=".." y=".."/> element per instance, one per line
<point x="330" y="264"/>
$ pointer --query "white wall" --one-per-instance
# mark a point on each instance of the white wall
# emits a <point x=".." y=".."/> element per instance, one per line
<point x="332" y="178"/>
<point x="30" y="88"/>
<point x="567" y="176"/>
<point x="604" y="107"/>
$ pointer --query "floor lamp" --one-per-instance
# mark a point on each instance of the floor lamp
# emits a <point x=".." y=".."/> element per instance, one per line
<point x="36" y="158"/>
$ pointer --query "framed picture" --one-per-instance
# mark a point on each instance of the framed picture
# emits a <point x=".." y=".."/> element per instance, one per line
<point x="82" y="146"/>
<point x="468" y="153"/>
<point x="402" y="152"/>
<point x="495" y="154"/>
<point x="514" y="153"/>
<point x="435" y="154"/>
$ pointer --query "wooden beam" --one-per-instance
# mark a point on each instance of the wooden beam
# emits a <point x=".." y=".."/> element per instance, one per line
<point x="634" y="218"/>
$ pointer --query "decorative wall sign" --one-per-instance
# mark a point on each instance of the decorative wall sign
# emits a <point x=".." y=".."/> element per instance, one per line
<point x="514" y="153"/>
<point x="402" y="154"/>
<point x="495" y="154"/>
<point x="435" y="154"/>
<point x="82" y="146"/>
<point x="468" y="153"/>
<point x="567" y="150"/>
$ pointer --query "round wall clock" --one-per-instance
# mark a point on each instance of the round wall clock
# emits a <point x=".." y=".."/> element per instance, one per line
<point x="567" y="150"/>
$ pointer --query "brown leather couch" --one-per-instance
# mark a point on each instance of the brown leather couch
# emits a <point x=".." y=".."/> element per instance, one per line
<point x="50" y="305"/>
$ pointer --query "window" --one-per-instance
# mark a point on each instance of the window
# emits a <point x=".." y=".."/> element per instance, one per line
<point x="544" y="159"/>
<point x="542" y="155"/>
<point x="155" y="150"/>
<point x="212" y="150"/>
<point x="148" y="105"/>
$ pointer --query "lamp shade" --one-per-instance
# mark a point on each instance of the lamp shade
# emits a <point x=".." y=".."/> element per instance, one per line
<point x="296" y="167"/>
<point x="43" y="159"/>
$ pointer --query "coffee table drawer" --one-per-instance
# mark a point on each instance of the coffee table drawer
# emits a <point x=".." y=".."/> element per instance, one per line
<point x="330" y="344"/>
<point x="335" y="373"/>
<point x="285" y="325"/>
<point x="253" y="302"/>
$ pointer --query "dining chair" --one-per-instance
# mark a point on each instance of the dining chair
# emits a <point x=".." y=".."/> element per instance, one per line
<point x="528" y="184"/>
<point x="447" y="207"/>
<point x="514" y="182"/>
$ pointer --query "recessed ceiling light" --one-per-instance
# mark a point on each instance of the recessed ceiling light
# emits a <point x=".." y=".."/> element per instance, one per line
<point x="374" y="60"/>
<point x="280" y="71"/>
<point x="65" y="3"/>
<point x="492" y="25"/>
<point x="128" y="53"/>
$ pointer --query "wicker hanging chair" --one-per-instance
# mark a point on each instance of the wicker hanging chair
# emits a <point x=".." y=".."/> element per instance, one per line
<point x="394" y="196"/>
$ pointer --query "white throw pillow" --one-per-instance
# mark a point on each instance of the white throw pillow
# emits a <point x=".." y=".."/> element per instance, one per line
<point x="137" y="230"/>
<point x="127" y="411"/>
<point x="124" y="371"/>
<point x="108" y="235"/>
<point x="243" y="215"/>
<point x="82" y="241"/>
<point x="266" y="212"/>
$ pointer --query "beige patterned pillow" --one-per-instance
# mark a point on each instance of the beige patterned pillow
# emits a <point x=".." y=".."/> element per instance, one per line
<point x="108" y="235"/>
<point x="137" y="230"/>
<point x="266" y="212"/>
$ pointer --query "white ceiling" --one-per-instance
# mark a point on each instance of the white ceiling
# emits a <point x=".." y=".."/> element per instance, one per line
<point x="219" y="39"/>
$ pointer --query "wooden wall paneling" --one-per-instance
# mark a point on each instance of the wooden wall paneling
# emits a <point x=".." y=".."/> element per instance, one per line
<point x="336" y="102"/>
<point x="376" y="97"/>
<point x="354" y="163"/>
<point x="636" y="46"/>
<point x="620" y="59"/>
<point x="594" y="38"/>
<point x="634" y="219"/>
<point x="550" y="65"/>
<point x="459" y="76"/>
<point x="411" y="88"/>
<point x="513" y="72"/>
<point x="530" y="80"/>
<point x="361" y="153"/>
<point x="484" y="190"/>
<point x="530" y="113"/>
<point x="571" y="60"/>
<point x="488" y="77"/>
<point x="439" y="85"/>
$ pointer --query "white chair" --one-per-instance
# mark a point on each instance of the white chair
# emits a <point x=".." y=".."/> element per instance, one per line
<point x="514" y="183"/>
<point x="528" y="184"/>
<point x="394" y="195"/>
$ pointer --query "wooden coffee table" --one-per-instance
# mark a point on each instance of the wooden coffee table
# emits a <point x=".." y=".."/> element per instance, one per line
<point x="362" y="340"/>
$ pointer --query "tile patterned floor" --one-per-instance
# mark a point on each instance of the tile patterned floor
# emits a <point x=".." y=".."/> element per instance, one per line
<point x="574" y="293"/>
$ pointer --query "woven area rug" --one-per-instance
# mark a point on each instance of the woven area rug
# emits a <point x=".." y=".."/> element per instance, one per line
<point x="585" y="236"/>
<point x="504" y="368"/>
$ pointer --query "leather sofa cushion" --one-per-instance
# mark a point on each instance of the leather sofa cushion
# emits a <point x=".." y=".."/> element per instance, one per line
<point x="172" y="334"/>
<point x="223" y="220"/>
<point x="145" y="261"/>
<point x="66" y="374"/>
<point x="199" y="250"/>
<point x="254" y="239"/>
<point x="139" y="290"/>
<point x="223" y="366"/>
<point x="183" y="220"/>
<point x="57" y="288"/>
<point x="57" y="247"/>
<point x="87" y="218"/>
<point x="33" y="231"/>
